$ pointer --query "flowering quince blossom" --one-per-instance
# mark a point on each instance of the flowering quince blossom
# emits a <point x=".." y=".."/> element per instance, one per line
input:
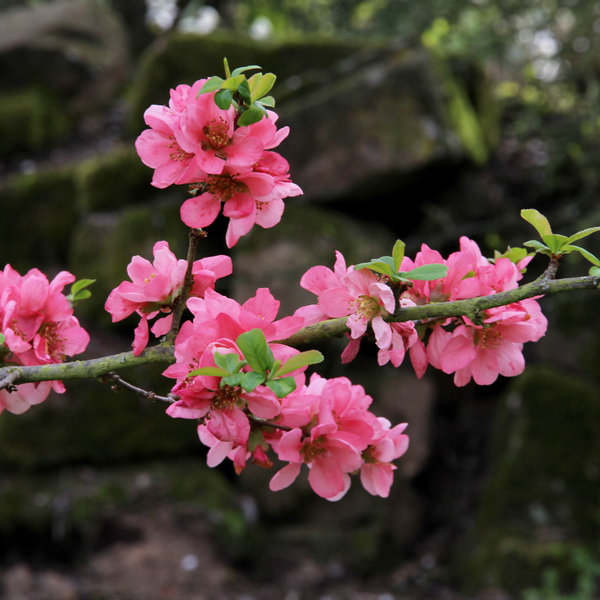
<point x="39" y="328"/>
<point x="332" y="431"/>
<point x="155" y="287"/>
<point x="217" y="323"/>
<point x="470" y="351"/>
<point x="193" y="141"/>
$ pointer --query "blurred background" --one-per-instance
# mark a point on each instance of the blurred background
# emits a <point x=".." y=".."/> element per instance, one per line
<point x="422" y="121"/>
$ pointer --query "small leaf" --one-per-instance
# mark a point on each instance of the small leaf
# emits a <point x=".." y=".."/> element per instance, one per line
<point x="594" y="271"/>
<point x="209" y="371"/>
<point x="223" y="99"/>
<point x="555" y="242"/>
<point x="2" y="338"/>
<point x="212" y="85"/>
<point x="233" y="83"/>
<point x="537" y="246"/>
<point x="298" y="361"/>
<point x="244" y="92"/>
<point x="583" y="233"/>
<point x="267" y="101"/>
<point x="253" y="345"/>
<point x="426" y="272"/>
<point x="253" y="114"/>
<point x="538" y="220"/>
<point x="232" y="380"/>
<point x="262" y="85"/>
<point x="230" y="361"/>
<point x="282" y="387"/>
<point x="251" y="380"/>
<point x="79" y="285"/>
<point x="398" y="254"/>
<point x="585" y="253"/>
<point x="240" y="70"/>
<point x="383" y="265"/>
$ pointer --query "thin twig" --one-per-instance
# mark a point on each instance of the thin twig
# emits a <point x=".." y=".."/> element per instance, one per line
<point x="120" y="382"/>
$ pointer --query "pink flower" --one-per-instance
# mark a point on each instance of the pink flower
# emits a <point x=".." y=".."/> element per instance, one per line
<point x="377" y="471"/>
<point x="482" y="352"/>
<point x="39" y="328"/>
<point x="154" y="288"/>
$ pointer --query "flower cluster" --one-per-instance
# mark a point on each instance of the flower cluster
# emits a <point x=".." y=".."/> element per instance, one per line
<point x="193" y="141"/>
<point x="325" y="424"/>
<point x="155" y="288"/>
<point x="480" y="351"/>
<point x="37" y="328"/>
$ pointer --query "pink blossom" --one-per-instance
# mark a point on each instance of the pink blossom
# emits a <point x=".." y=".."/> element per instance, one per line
<point x="482" y="352"/>
<point x="39" y="328"/>
<point x="154" y="288"/>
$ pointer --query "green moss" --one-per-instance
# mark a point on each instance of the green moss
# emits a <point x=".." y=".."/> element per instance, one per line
<point x="542" y="496"/>
<point x="112" y="181"/>
<point x="41" y="208"/>
<point x="31" y="119"/>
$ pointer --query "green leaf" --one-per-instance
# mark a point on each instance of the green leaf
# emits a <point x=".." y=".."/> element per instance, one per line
<point x="282" y="387"/>
<point x="537" y="246"/>
<point x="555" y="242"/>
<point x="256" y="351"/>
<point x="260" y="85"/>
<point x="583" y="233"/>
<point x="230" y="361"/>
<point x="267" y="101"/>
<point x="223" y="99"/>
<point x="383" y="265"/>
<point x="244" y="92"/>
<point x="585" y="253"/>
<point x="2" y="338"/>
<point x="212" y="85"/>
<point x="240" y="70"/>
<point x="210" y="371"/>
<point x="79" y="285"/>
<point x="426" y="272"/>
<point x="310" y="357"/>
<point x="233" y="83"/>
<point x="538" y="220"/>
<point x="398" y="254"/>
<point x="253" y="114"/>
<point x="251" y="380"/>
<point x="594" y="271"/>
<point x="232" y="380"/>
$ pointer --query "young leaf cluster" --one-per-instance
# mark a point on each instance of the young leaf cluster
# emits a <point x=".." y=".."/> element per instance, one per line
<point x="556" y="245"/>
<point x="264" y="368"/>
<point x="248" y="96"/>
<point x="78" y="291"/>
<point x="389" y="266"/>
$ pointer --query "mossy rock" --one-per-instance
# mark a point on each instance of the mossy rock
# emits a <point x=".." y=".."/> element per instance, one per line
<point x="112" y="181"/>
<point x="39" y="214"/>
<point x="104" y="243"/>
<point x="32" y="119"/>
<point x="541" y="498"/>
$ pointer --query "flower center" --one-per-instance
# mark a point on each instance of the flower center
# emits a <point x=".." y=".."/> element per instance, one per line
<point x="366" y="306"/>
<point x="227" y="397"/>
<point x="176" y="152"/>
<point x="54" y="342"/>
<point x="312" y="450"/>
<point x="489" y="338"/>
<point x="217" y="135"/>
<point x="225" y="187"/>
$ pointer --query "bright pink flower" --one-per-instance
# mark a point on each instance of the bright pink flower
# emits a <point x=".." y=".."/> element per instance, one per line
<point x="39" y="327"/>
<point x="154" y="288"/>
<point x="377" y="471"/>
<point x="482" y="352"/>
